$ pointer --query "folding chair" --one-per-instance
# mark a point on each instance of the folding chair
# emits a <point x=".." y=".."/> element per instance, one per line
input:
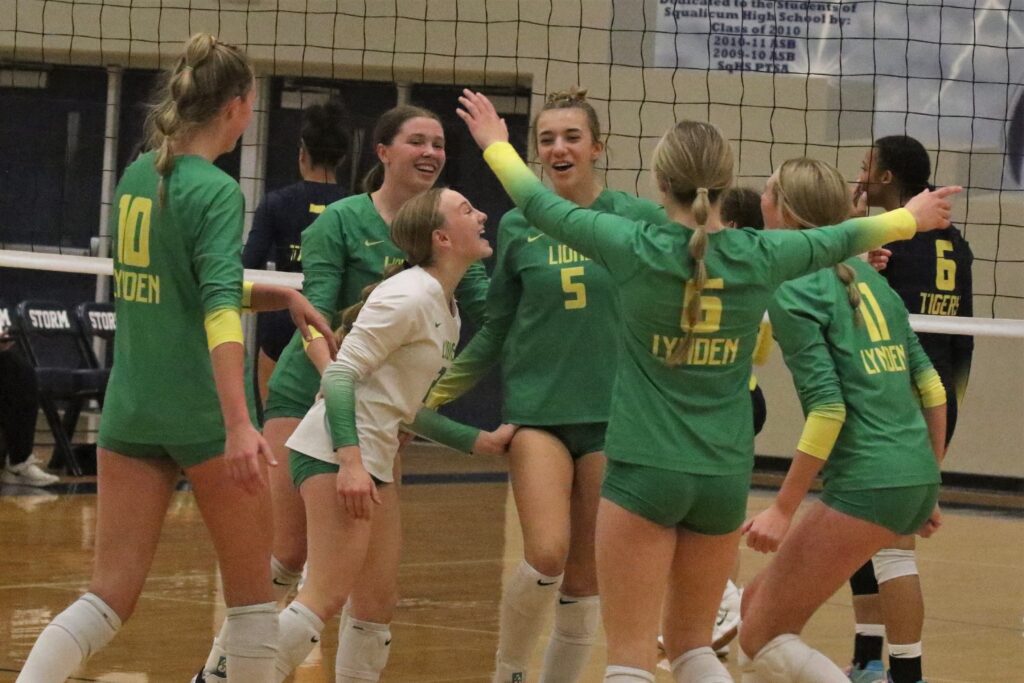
<point x="53" y="344"/>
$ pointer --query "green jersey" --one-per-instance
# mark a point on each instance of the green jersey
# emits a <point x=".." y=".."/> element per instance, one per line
<point x="545" y="300"/>
<point x="870" y="366"/>
<point x="344" y="250"/>
<point x="173" y="266"/>
<point x="694" y="417"/>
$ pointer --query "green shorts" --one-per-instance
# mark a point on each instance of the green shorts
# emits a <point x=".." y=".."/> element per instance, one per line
<point x="279" y="405"/>
<point x="303" y="467"/>
<point x="704" y="503"/>
<point x="579" y="439"/>
<point x="901" y="509"/>
<point x="185" y="455"/>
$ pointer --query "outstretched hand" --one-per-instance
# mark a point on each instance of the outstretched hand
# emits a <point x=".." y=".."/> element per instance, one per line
<point x="931" y="208"/>
<point x="483" y="121"/>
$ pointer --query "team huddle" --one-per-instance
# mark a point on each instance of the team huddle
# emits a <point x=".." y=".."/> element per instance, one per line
<point x="626" y="332"/>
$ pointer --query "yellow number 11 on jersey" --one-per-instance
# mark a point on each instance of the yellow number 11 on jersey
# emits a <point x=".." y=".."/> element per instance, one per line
<point x="133" y="230"/>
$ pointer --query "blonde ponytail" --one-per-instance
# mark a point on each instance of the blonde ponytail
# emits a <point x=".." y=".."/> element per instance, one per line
<point x="848" y="277"/>
<point x="698" y="246"/>
<point x="207" y="75"/>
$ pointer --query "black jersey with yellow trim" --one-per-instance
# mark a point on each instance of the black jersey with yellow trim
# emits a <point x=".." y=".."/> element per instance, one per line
<point x="932" y="274"/>
<point x="279" y="221"/>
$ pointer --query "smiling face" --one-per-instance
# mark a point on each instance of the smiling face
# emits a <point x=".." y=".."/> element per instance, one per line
<point x="462" y="233"/>
<point x="416" y="155"/>
<point x="567" y="147"/>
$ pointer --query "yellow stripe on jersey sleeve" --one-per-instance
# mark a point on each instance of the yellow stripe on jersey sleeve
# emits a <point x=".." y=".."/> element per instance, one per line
<point x="930" y="388"/>
<point x="822" y="429"/>
<point x="763" y="345"/>
<point x="222" y="326"/>
<point x="247" y="294"/>
<point x="313" y="334"/>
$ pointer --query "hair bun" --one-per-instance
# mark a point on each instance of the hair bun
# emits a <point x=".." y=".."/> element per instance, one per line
<point x="572" y="95"/>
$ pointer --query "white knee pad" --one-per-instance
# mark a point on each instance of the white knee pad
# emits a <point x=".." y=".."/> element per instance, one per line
<point x="787" y="659"/>
<point x="577" y="619"/>
<point x="363" y="649"/>
<point x="251" y="631"/>
<point x="891" y="563"/>
<point x="699" y="666"/>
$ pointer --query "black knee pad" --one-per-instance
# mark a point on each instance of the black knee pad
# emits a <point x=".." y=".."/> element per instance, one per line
<point x="863" y="581"/>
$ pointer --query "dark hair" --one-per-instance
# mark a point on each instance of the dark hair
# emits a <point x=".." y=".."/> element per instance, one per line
<point x="388" y="125"/>
<point x="741" y="206"/>
<point x="323" y="136"/>
<point x="907" y="159"/>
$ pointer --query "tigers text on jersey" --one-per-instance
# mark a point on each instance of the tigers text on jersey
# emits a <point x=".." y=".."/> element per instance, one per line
<point x="694" y="417"/>
<point x="552" y="319"/>
<point x="869" y="367"/>
<point x="344" y="250"/>
<point x="173" y="265"/>
<point x="403" y="339"/>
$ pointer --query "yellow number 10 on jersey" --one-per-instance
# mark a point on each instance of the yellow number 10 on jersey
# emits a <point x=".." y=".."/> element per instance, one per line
<point x="133" y="230"/>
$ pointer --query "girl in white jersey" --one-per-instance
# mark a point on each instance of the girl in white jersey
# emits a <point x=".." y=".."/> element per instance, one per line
<point x="343" y="452"/>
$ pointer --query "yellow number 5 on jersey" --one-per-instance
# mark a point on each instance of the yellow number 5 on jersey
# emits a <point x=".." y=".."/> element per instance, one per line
<point x="577" y="290"/>
<point x="945" y="268"/>
<point x="710" y="307"/>
<point x="133" y="230"/>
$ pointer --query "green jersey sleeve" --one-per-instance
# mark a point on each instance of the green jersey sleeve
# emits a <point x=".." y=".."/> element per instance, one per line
<point x="471" y="294"/>
<point x="323" y="263"/>
<point x="217" y="256"/>
<point x="798" y="326"/>
<point x="793" y="253"/>
<point x="484" y="350"/>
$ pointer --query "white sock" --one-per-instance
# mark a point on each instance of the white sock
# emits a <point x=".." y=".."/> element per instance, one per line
<point x="787" y="659"/>
<point x="299" y="630"/>
<point x="285" y="580"/>
<point x="748" y="673"/>
<point x="627" y="674"/>
<point x="250" y="641"/>
<point x="700" y="665"/>
<point x="907" y="651"/>
<point x="575" y="630"/>
<point x="74" y="635"/>
<point x="363" y="649"/>
<point x="523" y="605"/>
<point x="217" y="661"/>
<point x="873" y="630"/>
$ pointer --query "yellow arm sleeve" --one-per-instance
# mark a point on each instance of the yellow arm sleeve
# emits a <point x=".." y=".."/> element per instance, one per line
<point x="223" y="325"/>
<point x="930" y="388"/>
<point x="822" y="429"/>
<point x="246" y="294"/>
<point x="313" y="334"/>
<point x="763" y="345"/>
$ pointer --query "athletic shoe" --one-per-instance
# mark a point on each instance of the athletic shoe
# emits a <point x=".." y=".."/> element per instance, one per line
<point x="28" y="473"/>
<point x="204" y="676"/>
<point x="727" y="625"/>
<point x="873" y="672"/>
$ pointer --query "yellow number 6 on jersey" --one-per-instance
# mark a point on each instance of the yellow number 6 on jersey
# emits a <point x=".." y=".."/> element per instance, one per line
<point x="945" y="268"/>
<point x="710" y="307"/>
<point x="133" y="230"/>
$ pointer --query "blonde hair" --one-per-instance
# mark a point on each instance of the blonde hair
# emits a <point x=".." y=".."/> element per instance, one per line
<point x="208" y="74"/>
<point x="693" y="164"/>
<point x="412" y="231"/>
<point x="813" y="193"/>
<point x="573" y="98"/>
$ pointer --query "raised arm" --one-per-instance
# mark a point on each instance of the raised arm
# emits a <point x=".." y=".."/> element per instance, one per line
<point x="605" y="238"/>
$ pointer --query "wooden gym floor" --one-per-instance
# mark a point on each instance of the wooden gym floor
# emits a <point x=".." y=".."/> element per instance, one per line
<point x="461" y="535"/>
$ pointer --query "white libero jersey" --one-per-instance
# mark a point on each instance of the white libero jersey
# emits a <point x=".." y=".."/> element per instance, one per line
<point x="402" y="341"/>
